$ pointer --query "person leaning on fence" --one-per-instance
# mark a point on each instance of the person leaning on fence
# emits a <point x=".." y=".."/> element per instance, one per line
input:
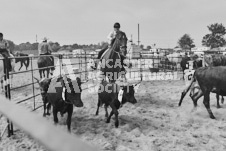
<point x="4" y="50"/>
<point x="44" y="48"/>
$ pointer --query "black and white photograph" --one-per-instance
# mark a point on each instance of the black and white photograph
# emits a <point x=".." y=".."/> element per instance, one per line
<point x="112" y="75"/>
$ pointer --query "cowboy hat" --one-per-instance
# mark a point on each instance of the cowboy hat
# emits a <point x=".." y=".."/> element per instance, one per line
<point x="45" y="38"/>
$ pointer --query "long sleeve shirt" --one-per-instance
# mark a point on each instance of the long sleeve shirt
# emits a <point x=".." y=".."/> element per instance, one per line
<point x="44" y="48"/>
<point x="111" y="36"/>
<point x="4" y="44"/>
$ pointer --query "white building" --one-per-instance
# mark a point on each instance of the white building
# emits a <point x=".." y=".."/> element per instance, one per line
<point x="134" y="52"/>
<point x="78" y="51"/>
<point x="201" y="49"/>
<point x="154" y="50"/>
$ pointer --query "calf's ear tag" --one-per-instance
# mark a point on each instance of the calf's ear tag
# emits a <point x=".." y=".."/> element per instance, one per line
<point x="120" y="94"/>
<point x="63" y="93"/>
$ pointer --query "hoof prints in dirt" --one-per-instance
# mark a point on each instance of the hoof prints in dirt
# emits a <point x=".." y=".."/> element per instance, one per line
<point x="154" y="123"/>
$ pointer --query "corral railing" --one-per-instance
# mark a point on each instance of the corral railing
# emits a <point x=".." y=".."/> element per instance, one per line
<point x="80" y="65"/>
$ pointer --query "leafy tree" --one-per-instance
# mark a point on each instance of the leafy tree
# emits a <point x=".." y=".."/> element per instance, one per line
<point x="11" y="45"/>
<point x="55" y="46"/>
<point x="102" y="44"/>
<point x="75" y="46"/>
<point x="142" y="46"/>
<point x="17" y="47"/>
<point x="186" y="42"/>
<point x="34" y="46"/>
<point x="216" y="37"/>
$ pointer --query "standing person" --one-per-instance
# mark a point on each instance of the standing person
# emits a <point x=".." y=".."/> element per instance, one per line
<point x="4" y="50"/>
<point x="44" y="48"/>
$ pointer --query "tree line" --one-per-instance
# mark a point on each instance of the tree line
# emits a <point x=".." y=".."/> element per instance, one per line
<point x="55" y="46"/>
<point x="214" y="39"/>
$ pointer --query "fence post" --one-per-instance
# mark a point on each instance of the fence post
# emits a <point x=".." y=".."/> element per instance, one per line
<point x="86" y="78"/>
<point x="130" y="67"/>
<point x="79" y="65"/>
<point x="60" y="66"/>
<point x="141" y="75"/>
<point x="165" y="62"/>
<point x="158" y="59"/>
<point x="32" y="79"/>
<point x="7" y="92"/>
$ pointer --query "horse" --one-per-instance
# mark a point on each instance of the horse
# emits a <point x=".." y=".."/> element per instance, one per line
<point x="111" y="61"/>
<point x="2" y="69"/>
<point x="45" y="62"/>
<point x="23" y="61"/>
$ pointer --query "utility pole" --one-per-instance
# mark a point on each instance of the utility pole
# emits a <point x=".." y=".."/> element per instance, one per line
<point x="131" y="39"/>
<point x="36" y="38"/>
<point x="138" y="35"/>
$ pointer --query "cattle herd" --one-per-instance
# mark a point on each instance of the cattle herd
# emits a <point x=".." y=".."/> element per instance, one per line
<point x="62" y="93"/>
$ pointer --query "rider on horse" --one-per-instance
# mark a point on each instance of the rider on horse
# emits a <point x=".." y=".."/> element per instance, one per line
<point x="111" y="38"/>
<point x="44" y="48"/>
<point x="117" y="46"/>
<point x="4" y="50"/>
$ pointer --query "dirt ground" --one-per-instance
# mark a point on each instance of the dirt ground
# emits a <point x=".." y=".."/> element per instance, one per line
<point x="155" y="123"/>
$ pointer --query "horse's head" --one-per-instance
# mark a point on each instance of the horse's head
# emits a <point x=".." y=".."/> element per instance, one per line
<point x="121" y="41"/>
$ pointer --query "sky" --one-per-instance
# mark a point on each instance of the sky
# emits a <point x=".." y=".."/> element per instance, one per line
<point x="162" y="22"/>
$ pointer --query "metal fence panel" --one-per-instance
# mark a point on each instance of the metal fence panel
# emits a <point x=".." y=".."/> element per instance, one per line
<point x="40" y="129"/>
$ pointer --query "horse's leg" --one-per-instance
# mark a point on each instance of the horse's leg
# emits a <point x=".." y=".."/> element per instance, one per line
<point x="44" y="75"/>
<point x="21" y="64"/>
<point x="222" y="99"/>
<point x="25" y="64"/>
<point x="47" y="73"/>
<point x="40" y="73"/>
<point x="11" y="79"/>
<point x="183" y="74"/>
<point x="2" y="84"/>
<point x="51" y="71"/>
